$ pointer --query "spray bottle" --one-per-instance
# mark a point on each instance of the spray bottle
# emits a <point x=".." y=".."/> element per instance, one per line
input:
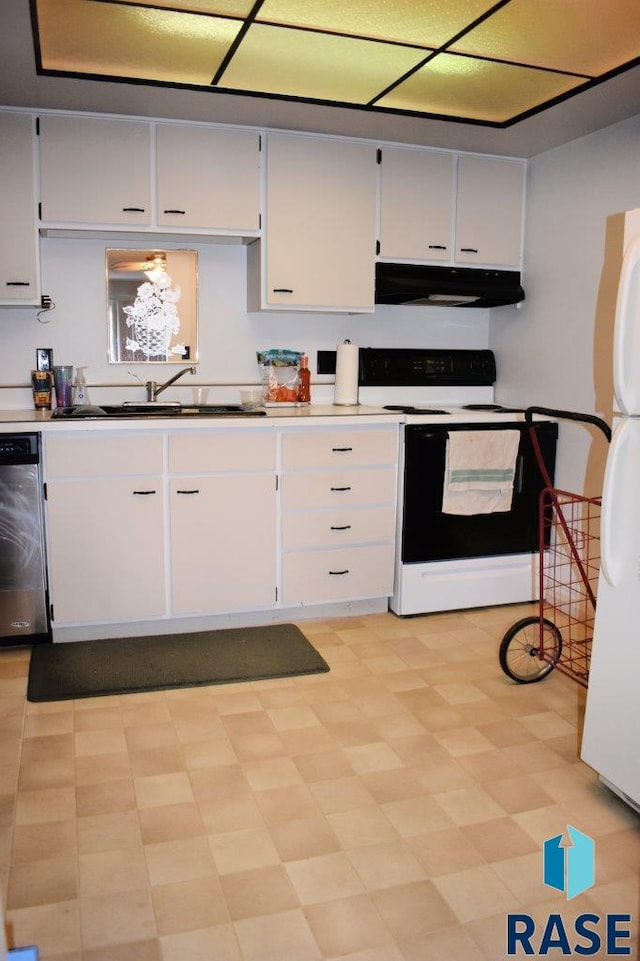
<point x="80" y="392"/>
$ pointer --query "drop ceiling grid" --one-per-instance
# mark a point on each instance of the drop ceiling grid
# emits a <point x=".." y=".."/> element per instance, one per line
<point x="473" y="60"/>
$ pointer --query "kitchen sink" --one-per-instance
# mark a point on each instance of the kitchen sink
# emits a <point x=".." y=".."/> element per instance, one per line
<point x="132" y="410"/>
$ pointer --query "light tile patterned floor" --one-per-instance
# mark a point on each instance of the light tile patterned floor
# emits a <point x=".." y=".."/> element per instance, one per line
<point x="391" y="810"/>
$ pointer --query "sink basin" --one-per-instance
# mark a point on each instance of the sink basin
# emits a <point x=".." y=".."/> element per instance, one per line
<point x="132" y="410"/>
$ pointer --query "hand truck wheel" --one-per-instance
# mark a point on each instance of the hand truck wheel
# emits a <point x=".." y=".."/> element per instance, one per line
<point x="519" y="655"/>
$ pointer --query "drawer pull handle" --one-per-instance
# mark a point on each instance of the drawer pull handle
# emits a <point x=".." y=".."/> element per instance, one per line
<point x="174" y="212"/>
<point x="282" y="290"/>
<point x="437" y="247"/>
<point x="338" y="573"/>
<point x="469" y="250"/>
<point x="341" y="450"/>
<point x="344" y="527"/>
<point x="340" y="488"/>
<point x="144" y="493"/>
<point x="194" y="491"/>
<point x="133" y="210"/>
<point x="17" y="283"/>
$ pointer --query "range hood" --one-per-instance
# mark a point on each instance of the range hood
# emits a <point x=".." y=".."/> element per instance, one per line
<point x="421" y="285"/>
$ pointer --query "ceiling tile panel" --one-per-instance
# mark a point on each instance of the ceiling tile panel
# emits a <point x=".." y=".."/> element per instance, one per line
<point x="224" y="8"/>
<point x="298" y="63"/>
<point x="418" y="22"/>
<point x="583" y="36"/>
<point x="476" y="89"/>
<point x="134" y="42"/>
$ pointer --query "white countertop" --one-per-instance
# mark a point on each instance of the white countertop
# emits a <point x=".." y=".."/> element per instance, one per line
<point x="320" y="414"/>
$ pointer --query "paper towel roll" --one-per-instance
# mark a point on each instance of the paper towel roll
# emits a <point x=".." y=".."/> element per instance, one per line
<point x="346" y="388"/>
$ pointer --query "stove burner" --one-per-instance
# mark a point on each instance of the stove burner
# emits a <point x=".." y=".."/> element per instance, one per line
<point x="408" y="409"/>
<point x="493" y="407"/>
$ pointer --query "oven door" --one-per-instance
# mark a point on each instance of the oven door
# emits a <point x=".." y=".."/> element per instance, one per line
<point x="430" y="535"/>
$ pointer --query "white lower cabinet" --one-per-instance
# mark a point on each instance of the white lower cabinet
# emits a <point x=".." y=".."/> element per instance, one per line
<point x="338" y="514"/>
<point x="105" y="528"/>
<point x="223" y="543"/>
<point x="150" y="525"/>
<point x="222" y="522"/>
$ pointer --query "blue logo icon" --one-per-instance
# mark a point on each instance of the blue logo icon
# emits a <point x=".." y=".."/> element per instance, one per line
<point x="570" y="868"/>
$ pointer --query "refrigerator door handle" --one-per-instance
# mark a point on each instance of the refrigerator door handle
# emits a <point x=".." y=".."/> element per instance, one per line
<point x="625" y="344"/>
<point x="611" y="506"/>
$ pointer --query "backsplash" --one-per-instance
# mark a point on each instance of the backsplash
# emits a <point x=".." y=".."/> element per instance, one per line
<point x="73" y="275"/>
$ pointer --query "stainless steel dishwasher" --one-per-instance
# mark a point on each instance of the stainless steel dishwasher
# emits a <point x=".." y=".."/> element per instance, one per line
<point x="24" y="609"/>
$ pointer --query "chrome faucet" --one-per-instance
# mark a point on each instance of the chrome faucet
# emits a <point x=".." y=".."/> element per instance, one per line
<point x="153" y="389"/>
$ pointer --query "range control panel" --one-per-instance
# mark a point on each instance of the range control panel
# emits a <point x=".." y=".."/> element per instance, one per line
<point x="421" y="367"/>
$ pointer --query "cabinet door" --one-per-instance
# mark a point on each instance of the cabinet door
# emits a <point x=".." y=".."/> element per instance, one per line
<point x="208" y="178"/>
<point x="416" y="204"/>
<point x="106" y="548"/>
<point x="223" y="543"/>
<point x="95" y="171"/>
<point x="18" y="237"/>
<point x="489" y="211"/>
<point x="320" y="230"/>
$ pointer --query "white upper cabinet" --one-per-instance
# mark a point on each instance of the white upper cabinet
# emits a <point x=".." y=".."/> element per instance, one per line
<point x="318" y="248"/>
<point x="489" y="211"/>
<point x="137" y="175"/>
<point x="452" y="208"/>
<point x="19" y="273"/>
<point x="416" y="203"/>
<point x="208" y="178"/>
<point x="95" y="171"/>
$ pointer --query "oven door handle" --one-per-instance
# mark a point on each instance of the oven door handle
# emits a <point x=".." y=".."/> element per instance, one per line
<point x="519" y="479"/>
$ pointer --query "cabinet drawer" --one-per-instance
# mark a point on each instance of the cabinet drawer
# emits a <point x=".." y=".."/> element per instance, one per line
<point x="338" y="488"/>
<point x="337" y="575"/>
<point x="198" y="452"/>
<point x="342" y="448"/>
<point x="337" y="527"/>
<point x="87" y="455"/>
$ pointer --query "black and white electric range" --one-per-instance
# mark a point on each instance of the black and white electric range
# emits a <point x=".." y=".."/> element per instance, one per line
<point x="448" y="561"/>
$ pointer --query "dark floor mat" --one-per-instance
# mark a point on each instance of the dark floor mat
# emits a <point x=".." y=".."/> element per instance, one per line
<point x="62" y="671"/>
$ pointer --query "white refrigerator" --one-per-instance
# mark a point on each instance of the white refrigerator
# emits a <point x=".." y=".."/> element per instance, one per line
<point x="611" y="735"/>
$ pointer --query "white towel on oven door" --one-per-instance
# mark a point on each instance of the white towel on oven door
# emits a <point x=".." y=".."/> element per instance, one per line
<point x="479" y="471"/>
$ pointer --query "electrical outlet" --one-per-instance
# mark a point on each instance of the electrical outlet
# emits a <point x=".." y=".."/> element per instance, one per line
<point x="45" y="302"/>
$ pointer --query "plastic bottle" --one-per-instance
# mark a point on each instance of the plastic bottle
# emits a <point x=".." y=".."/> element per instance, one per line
<point x="80" y="392"/>
<point x="304" y="381"/>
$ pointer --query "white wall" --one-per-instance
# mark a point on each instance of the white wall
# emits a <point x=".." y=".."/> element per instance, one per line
<point x="73" y="274"/>
<point x="556" y="350"/>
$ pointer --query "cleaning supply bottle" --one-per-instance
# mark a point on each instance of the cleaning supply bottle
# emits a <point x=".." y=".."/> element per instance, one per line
<point x="80" y="392"/>
<point x="304" y="381"/>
